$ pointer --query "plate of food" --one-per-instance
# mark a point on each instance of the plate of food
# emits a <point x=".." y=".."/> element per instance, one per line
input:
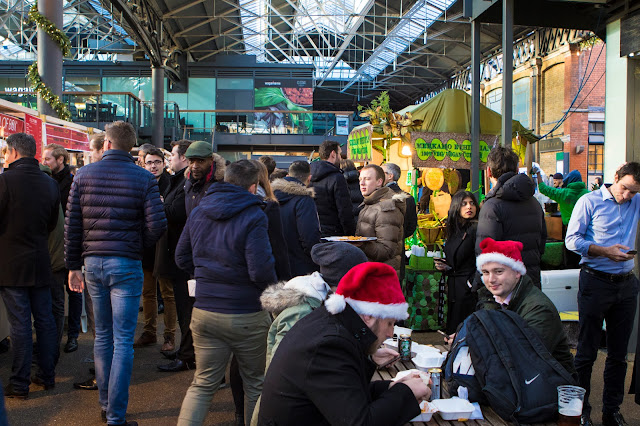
<point x="350" y="239"/>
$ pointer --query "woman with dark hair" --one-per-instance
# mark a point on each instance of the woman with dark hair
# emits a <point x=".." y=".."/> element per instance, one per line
<point x="460" y="265"/>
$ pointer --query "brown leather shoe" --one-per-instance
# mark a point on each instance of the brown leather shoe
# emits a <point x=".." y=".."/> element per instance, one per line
<point x="169" y="344"/>
<point x="145" y="339"/>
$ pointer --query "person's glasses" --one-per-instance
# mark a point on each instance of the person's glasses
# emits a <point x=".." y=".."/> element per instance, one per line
<point x="153" y="163"/>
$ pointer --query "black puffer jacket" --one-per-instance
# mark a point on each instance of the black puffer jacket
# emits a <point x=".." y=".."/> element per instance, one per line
<point x="510" y="212"/>
<point x="114" y="209"/>
<point x="353" y="183"/>
<point x="299" y="213"/>
<point x="335" y="210"/>
<point x="174" y="209"/>
<point x="64" y="179"/>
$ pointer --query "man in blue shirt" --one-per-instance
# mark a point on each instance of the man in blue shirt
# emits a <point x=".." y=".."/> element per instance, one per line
<point x="602" y="230"/>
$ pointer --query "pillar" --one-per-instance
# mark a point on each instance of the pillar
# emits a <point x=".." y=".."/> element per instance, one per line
<point x="157" y="83"/>
<point x="49" y="54"/>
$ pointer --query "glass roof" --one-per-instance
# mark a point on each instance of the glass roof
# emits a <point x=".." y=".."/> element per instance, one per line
<point x="330" y="15"/>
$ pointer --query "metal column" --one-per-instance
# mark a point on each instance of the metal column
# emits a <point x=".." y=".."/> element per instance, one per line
<point x="507" y="71"/>
<point x="157" y="83"/>
<point x="49" y="54"/>
<point x="475" y="105"/>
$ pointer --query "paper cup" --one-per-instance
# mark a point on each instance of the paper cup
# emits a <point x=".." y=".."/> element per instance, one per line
<point x="192" y="288"/>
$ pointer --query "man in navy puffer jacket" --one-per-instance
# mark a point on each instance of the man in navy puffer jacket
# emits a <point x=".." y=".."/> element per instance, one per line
<point x="114" y="211"/>
<point x="225" y="245"/>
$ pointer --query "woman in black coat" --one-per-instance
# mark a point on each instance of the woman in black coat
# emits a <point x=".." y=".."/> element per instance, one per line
<point x="460" y="266"/>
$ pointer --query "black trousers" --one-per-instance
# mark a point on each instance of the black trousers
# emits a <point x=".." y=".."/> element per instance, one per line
<point x="184" y="307"/>
<point x="614" y="302"/>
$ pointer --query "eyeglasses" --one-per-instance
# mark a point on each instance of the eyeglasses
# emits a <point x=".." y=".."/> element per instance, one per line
<point x="154" y="163"/>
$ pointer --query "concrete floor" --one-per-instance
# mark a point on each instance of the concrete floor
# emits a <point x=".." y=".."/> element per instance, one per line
<point x="155" y="397"/>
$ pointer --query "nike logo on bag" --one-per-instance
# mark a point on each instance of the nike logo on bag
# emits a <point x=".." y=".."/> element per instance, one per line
<point x="528" y="382"/>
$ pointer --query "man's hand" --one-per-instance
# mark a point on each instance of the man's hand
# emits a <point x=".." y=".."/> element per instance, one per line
<point x="615" y="252"/>
<point x="419" y="388"/>
<point x="449" y="339"/>
<point x="383" y="356"/>
<point x="76" y="281"/>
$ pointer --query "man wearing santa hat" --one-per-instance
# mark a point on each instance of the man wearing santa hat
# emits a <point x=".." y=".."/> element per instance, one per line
<point x="321" y="373"/>
<point x="505" y="276"/>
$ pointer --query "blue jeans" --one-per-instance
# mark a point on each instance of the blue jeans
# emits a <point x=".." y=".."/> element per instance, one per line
<point x="115" y="286"/>
<point x="21" y="303"/>
<point x="3" y="412"/>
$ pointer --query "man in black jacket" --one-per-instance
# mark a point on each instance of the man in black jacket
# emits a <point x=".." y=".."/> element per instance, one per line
<point x="205" y="168"/>
<point x="321" y="372"/>
<point x="29" y="208"/>
<point x="510" y="212"/>
<point x="106" y="232"/>
<point x="392" y="175"/>
<point x="332" y="195"/>
<point x="297" y="208"/>
<point x="57" y="158"/>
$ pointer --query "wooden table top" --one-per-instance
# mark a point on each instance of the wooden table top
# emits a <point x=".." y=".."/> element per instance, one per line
<point x="490" y="417"/>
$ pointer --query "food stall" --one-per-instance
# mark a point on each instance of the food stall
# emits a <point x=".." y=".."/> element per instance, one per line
<point x="46" y="130"/>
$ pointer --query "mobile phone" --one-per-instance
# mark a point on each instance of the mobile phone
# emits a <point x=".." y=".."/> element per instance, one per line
<point x="632" y="252"/>
<point x="391" y="361"/>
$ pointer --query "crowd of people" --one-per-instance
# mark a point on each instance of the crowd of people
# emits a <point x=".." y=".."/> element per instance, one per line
<point x="236" y="252"/>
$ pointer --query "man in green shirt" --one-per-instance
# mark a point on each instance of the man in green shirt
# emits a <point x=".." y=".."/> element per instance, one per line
<point x="567" y="195"/>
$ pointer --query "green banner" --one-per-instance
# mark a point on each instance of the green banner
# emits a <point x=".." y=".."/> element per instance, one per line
<point x="452" y="150"/>
<point x="359" y="144"/>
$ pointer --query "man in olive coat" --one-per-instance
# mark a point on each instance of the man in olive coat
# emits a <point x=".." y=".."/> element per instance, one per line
<point x="29" y="208"/>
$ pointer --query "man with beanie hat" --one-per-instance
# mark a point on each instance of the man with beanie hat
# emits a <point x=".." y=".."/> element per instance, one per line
<point x="335" y="259"/>
<point x="321" y="373"/>
<point x="505" y="276"/>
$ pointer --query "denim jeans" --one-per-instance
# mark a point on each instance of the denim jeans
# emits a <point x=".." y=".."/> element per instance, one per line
<point x="215" y="337"/>
<point x="75" y="310"/>
<point x="3" y="411"/>
<point x="115" y="285"/>
<point x="600" y="300"/>
<point x="21" y="303"/>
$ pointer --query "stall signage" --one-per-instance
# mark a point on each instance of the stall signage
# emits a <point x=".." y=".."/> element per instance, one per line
<point x="359" y="143"/>
<point x="33" y="126"/>
<point x="451" y="150"/>
<point x="68" y="138"/>
<point x="10" y="125"/>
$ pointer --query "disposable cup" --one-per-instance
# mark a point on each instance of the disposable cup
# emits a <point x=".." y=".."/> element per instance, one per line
<point x="570" y="399"/>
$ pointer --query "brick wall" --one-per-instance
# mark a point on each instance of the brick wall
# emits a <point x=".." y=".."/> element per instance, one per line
<point x="553" y="100"/>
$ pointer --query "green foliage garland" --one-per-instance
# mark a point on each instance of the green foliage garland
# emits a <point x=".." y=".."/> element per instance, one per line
<point x="61" y="39"/>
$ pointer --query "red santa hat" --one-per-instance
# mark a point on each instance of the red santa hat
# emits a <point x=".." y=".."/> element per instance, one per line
<point x="370" y="288"/>
<point x="507" y="253"/>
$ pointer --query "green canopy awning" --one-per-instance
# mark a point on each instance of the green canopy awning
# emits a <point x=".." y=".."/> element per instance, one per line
<point x="450" y="111"/>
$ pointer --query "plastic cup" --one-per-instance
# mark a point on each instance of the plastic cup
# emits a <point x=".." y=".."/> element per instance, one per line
<point x="570" y="399"/>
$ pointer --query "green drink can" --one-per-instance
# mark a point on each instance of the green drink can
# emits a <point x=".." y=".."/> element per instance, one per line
<point x="404" y="347"/>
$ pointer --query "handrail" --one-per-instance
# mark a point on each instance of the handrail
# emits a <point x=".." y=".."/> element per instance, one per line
<point x="73" y="92"/>
<point x="263" y="110"/>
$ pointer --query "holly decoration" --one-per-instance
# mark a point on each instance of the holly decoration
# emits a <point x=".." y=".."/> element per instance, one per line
<point x="61" y="39"/>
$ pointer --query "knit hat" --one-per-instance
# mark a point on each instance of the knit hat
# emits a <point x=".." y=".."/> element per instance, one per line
<point x="507" y="253"/>
<point x="335" y="259"/>
<point x="199" y="149"/>
<point x="370" y="288"/>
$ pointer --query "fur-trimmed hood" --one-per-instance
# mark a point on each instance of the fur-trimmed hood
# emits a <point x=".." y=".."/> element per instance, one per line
<point x="292" y="186"/>
<point x="280" y="296"/>
<point x="217" y="169"/>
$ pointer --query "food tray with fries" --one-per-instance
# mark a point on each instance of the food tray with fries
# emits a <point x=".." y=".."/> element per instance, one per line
<point x="350" y="239"/>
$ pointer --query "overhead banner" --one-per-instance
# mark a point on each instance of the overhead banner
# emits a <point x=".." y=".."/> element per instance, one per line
<point x="448" y="150"/>
<point x="359" y="144"/>
<point x="68" y="138"/>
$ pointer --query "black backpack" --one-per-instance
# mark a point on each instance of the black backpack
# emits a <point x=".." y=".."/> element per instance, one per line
<point x="514" y="372"/>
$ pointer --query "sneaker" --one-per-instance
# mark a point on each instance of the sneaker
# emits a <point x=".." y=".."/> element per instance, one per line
<point x="145" y="339"/>
<point x="169" y="344"/>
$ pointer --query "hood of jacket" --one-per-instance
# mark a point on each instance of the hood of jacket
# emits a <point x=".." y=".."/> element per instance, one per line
<point x="322" y="169"/>
<point x="513" y="187"/>
<point x="63" y="174"/>
<point x="224" y="200"/>
<point x="278" y="297"/>
<point x="386" y="194"/>
<point x="352" y="176"/>
<point x="216" y="173"/>
<point x="287" y="188"/>
<point x="573" y="177"/>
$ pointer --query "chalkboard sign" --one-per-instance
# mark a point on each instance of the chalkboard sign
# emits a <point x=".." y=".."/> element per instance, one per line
<point x="630" y="34"/>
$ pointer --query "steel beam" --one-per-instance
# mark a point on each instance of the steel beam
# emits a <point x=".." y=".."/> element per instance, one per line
<point x="475" y="106"/>
<point x="157" y="84"/>
<point x="49" y="54"/>
<point x="507" y="72"/>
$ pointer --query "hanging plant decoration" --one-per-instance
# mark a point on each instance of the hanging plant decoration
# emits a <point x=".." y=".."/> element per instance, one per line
<point x="61" y="39"/>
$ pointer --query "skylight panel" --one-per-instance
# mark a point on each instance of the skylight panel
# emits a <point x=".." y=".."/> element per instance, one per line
<point x="254" y="27"/>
